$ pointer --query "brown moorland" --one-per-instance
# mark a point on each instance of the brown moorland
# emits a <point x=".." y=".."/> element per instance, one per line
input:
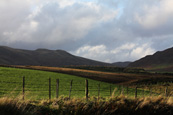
<point x="116" y="78"/>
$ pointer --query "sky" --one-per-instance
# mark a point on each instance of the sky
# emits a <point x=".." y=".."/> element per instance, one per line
<point x="103" y="30"/>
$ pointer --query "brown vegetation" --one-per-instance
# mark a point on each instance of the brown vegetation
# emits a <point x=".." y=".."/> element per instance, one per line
<point x="111" y="106"/>
<point x="118" y="78"/>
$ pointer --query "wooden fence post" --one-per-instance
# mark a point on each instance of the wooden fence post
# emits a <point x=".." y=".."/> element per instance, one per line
<point x="136" y="92"/>
<point x="86" y="89"/>
<point x="98" y="91"/>
<point x="57" y="88"/>
<point x="70" y="88"/>
<point x="110" y="90"/>
<point x="49" y="88"/>
<point x="23" y="87"/>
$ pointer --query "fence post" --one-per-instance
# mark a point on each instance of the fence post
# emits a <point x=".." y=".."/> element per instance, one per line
<point x="70" y="88"/>
<point x="23" y="87"/>
<point x="98" y="91"/>
<point x="136" y="92"/>
<point x="57" y="88"/>
<point x="49" y="88"/>
<point x="110" y="90"/>
<point x="86" y="89"/>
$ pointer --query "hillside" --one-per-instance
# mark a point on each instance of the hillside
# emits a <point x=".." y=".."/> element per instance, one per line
<point x="161" y="61"/>
<point x="121" y="64"/>
<point x="43" y="57"/>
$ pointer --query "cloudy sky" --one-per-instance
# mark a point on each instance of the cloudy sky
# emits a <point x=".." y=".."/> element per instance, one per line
<point x="104" y="30"/>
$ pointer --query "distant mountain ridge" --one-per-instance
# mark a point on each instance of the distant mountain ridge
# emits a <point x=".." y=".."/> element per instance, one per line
<point x="122" y="64"/>
<point x="161" y="60"/>
<point x="43" y="57"/>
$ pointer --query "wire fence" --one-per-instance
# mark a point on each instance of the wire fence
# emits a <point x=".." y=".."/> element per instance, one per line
<point x="49" y="89"/>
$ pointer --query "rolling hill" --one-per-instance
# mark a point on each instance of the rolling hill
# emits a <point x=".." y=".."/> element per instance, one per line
<point x="43" y="57"/>
<point x="160" y="61"/>
<point x="121" y="64"/>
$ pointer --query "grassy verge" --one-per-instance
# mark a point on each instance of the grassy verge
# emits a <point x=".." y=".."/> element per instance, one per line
<point x="75" y="106"/>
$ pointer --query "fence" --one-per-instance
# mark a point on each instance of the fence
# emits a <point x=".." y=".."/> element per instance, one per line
<point x="54" y="89"/>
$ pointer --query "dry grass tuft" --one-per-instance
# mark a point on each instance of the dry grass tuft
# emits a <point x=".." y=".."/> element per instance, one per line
<point x="76" y="106"/>
<point x="12" y="107"/>
<point x="170" y="101"/>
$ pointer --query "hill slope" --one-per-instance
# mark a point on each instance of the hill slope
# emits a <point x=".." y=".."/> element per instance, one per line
<point x="43" y="57"/>
<point x="121" y="64"/>
<point x="161" y="60"/>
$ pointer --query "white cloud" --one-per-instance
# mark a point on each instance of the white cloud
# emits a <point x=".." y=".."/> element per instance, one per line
<point x="93" y="52"/>
<point x="156" y="15"/>
<point x="34" y="25"/>
<point x="89" y="28"/>
<point x="127" y="46"/>
<point x="65" y="3"/>
<point x="55" y="23"/>
<point x="13" y="13"/>
<point x="126" y="52"/>
<point x="141" y="51"/>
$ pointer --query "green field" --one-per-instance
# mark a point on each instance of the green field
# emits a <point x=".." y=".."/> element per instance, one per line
<point x="37" y="84"/>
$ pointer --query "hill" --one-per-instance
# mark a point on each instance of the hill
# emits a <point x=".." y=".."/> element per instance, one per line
<point x="160" y="61"/>
<point x="43" y="57"/>
<point x="121" y="64"/>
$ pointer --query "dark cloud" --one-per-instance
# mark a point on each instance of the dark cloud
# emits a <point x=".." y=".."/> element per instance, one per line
<point x="105" y="30"/>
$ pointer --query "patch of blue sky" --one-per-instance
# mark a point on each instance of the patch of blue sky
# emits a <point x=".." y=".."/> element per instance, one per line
<point x="115" y="5"/>
<point x="120" y="10"/>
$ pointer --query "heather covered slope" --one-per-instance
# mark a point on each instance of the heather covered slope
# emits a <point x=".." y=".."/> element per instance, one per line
<point x="44" y="57"/>
<point x="161" y="61"/>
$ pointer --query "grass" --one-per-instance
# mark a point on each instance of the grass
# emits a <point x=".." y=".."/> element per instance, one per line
<point x="36" y="96"/>
<point x="110" y="77"/>
<point x="36" y="84"/>
<point x="115" y="105"/>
